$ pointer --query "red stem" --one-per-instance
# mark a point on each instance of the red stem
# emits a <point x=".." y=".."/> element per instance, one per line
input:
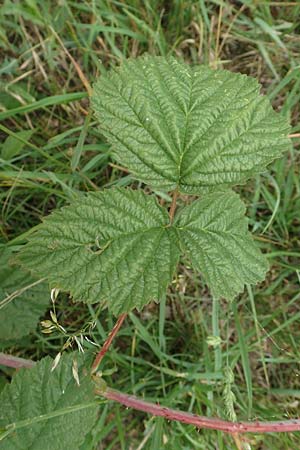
<point x="131" y="401"/>
<point x="15" y="362"/>
<point x="108" y="342"/>
<point x="201" y="421"/>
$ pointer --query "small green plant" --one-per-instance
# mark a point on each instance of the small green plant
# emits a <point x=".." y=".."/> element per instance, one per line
<point x="188" y="131"/>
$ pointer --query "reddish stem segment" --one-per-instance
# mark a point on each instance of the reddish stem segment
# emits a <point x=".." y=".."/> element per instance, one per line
<point x="108" y="342"/>
<point x="174" y="414"/>
<point x="201" y="421"/>
<point x="15" y="362"/>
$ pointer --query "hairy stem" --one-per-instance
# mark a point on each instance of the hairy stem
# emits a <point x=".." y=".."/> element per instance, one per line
<point x="282" y="426"/>
<point x="108" y="342"/>
<point x="212" y="423"/>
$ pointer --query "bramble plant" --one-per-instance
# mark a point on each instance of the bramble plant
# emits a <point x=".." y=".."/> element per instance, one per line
<point x="189" y="131"/>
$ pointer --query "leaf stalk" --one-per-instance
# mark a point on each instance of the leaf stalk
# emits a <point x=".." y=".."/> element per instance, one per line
<point x="173" y="205"/>
<point x="100" y="355"/>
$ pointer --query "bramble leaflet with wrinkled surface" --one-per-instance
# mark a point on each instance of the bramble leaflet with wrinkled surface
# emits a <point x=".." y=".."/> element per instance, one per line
<point x="189" y="131"/>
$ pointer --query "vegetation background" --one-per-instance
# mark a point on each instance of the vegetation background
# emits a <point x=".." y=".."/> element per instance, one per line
<point x="187" y="352"/>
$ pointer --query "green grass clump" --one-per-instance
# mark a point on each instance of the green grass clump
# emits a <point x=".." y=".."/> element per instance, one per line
<point x="239" y="360"/>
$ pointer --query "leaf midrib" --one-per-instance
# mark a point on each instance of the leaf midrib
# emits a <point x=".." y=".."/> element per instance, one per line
<point x="105" y="242"/>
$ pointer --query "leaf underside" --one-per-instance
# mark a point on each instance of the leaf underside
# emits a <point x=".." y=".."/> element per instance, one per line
<point x="38" y="391"/>
<point x="214" y="234"/>
<point x="188" y="128"/>
<point x="114" y="247"/>
<point x="19" y="316"/>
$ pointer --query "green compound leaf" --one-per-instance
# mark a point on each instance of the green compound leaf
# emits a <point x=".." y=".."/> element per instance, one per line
<point x="113" y="247"/>
<point x="214" y="234"/>
<point x="70" y="409"/>
<point x="23" y="300"/>
<point x="194" y="129"/>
